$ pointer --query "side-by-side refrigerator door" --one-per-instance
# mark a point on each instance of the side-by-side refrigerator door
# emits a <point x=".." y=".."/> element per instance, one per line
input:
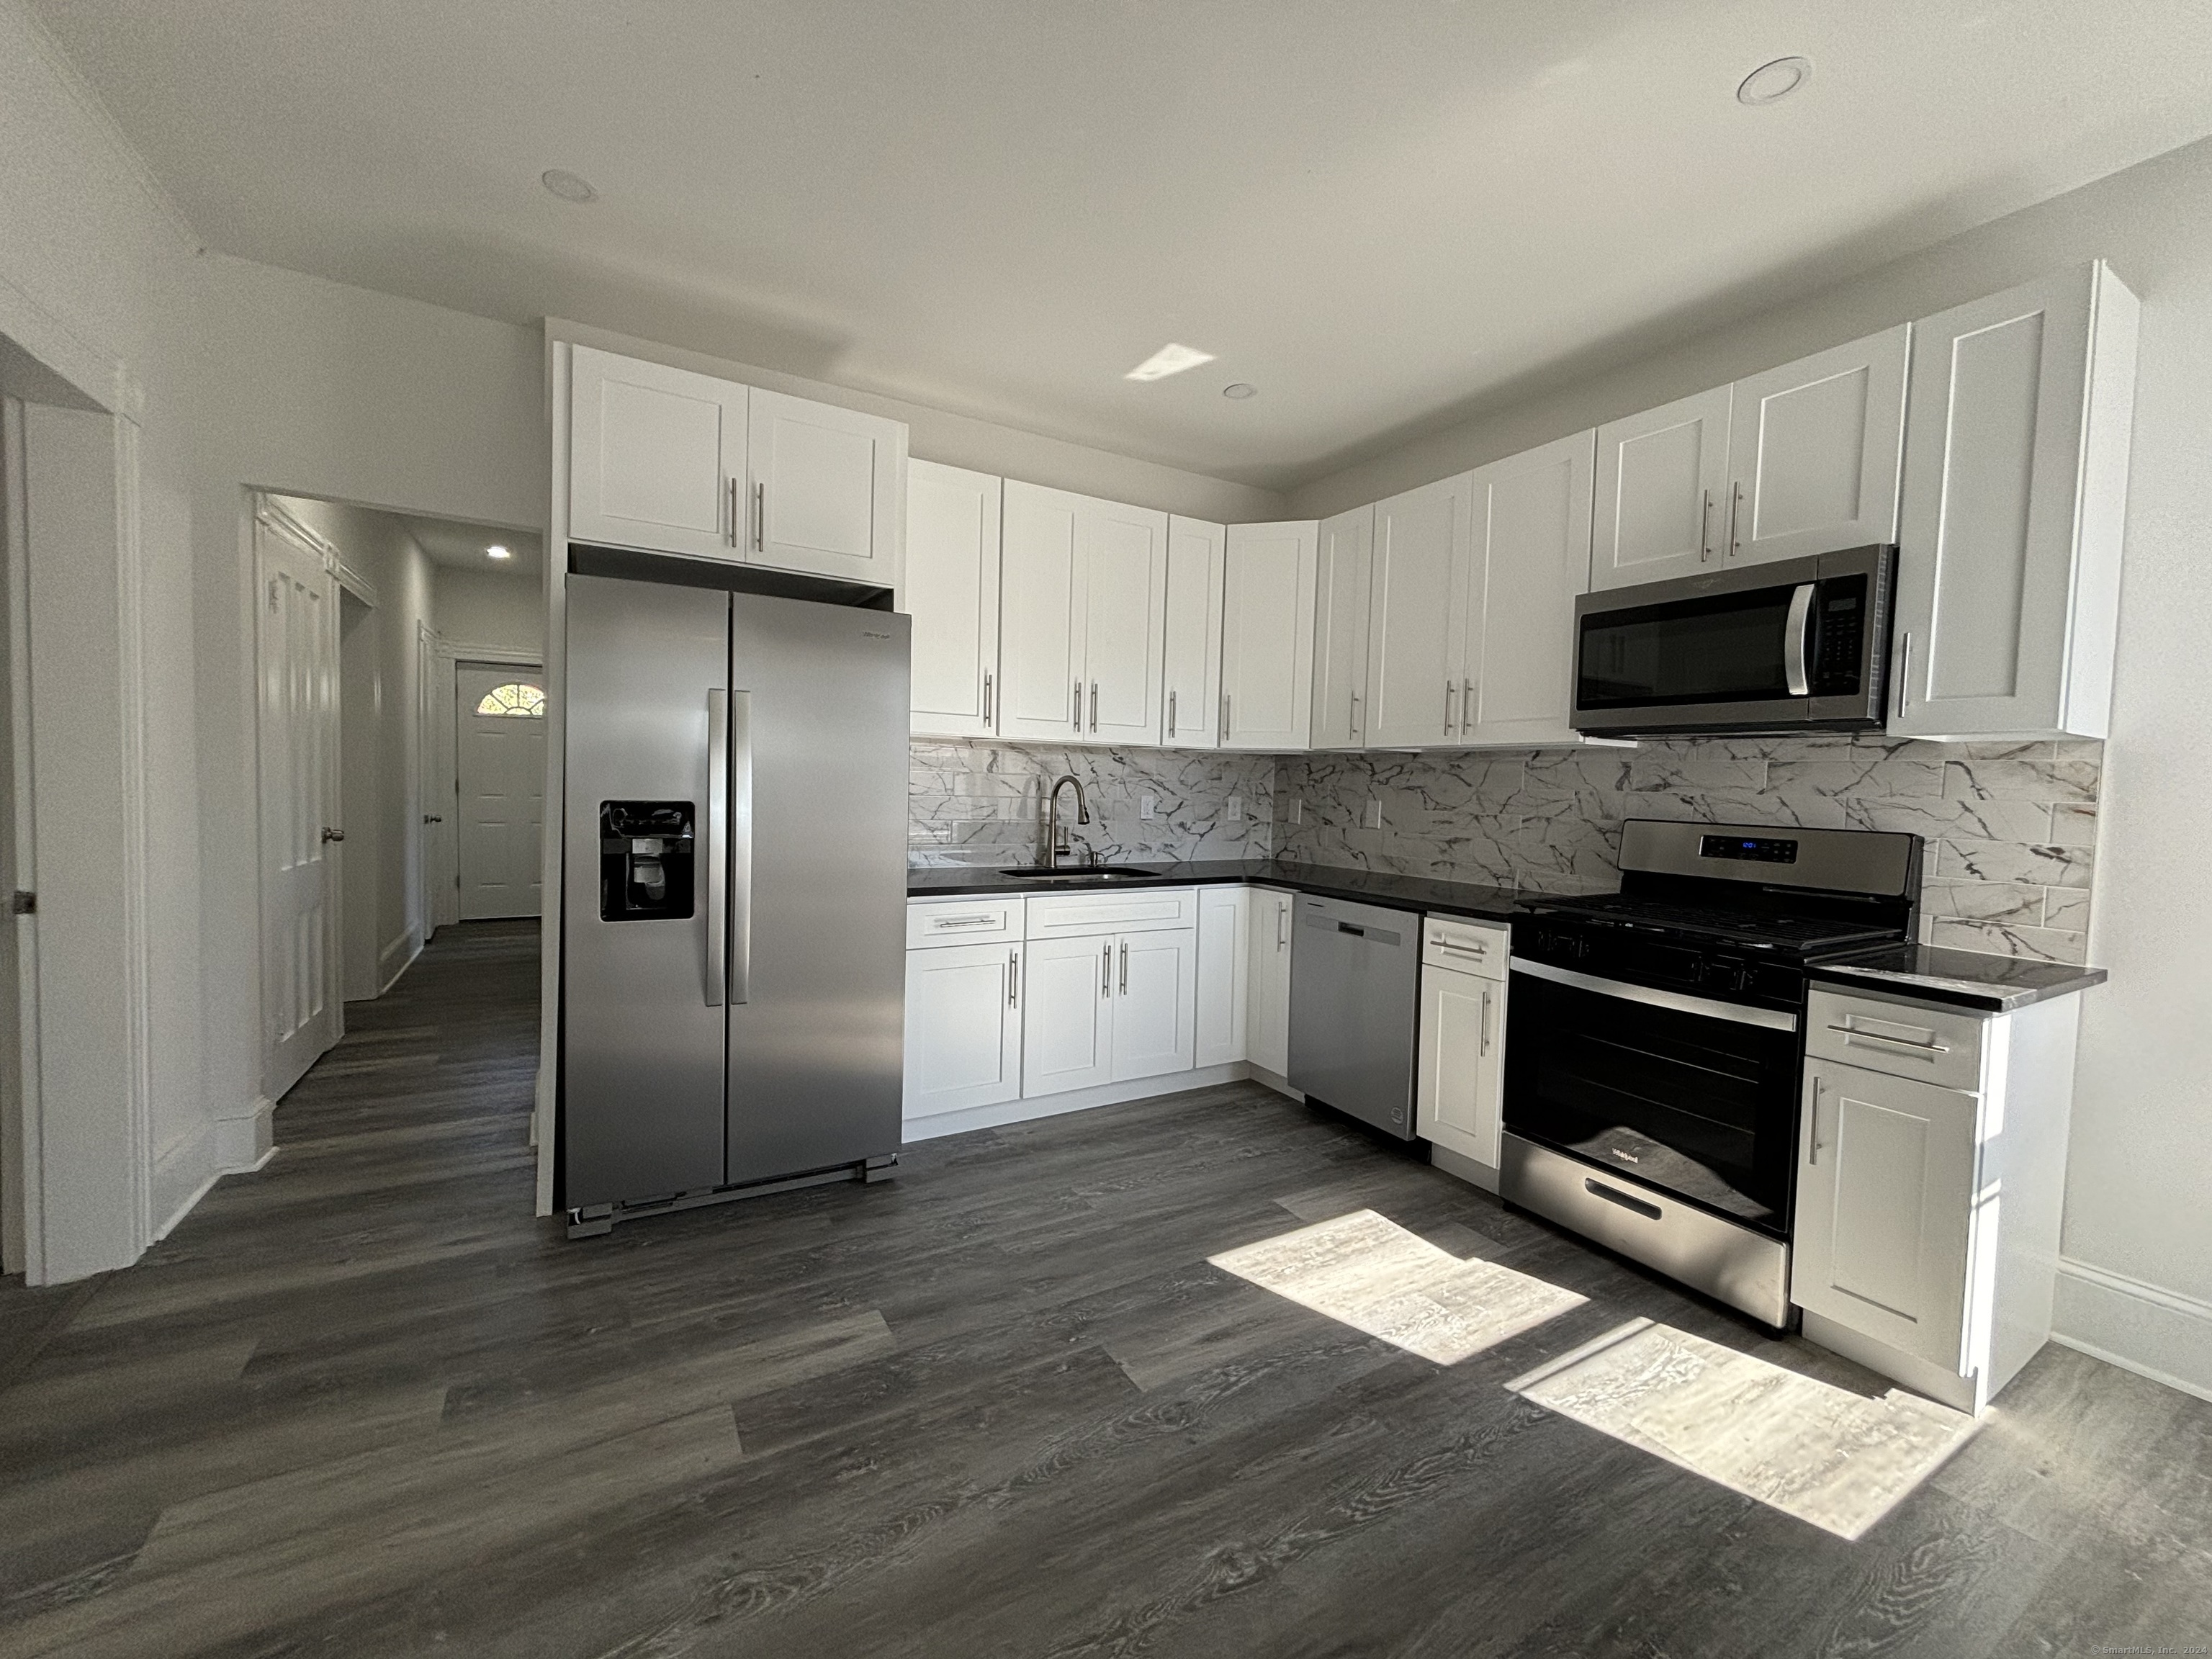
<point x="642" y="941"/>
<point x="818" y="720"/>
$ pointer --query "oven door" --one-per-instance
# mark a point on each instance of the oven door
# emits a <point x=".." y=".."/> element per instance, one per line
<point x="1796" y="643"/>
<point x="1691" y="1096"/>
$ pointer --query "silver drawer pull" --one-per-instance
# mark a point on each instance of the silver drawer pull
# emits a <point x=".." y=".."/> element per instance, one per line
<point x="966" y="921"/>
<point x="1462" y="950"/>
<point x="1926" y="1050"/>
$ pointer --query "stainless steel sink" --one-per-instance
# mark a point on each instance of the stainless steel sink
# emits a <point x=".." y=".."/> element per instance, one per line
<point x="1089" y="874"/>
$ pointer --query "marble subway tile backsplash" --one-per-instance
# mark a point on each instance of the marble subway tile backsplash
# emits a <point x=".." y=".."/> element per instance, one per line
<point x="2010" y="826"/>
<point x="984" y="803"/>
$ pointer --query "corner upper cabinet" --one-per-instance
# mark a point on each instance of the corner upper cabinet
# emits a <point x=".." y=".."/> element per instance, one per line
<point x="1083" y="610"/>
<point x="2015" y="485"/>
<point x="1814" y="451"/>
<point x="826" y="484"/>
<point x="1345" y="564"/>
<point x="656" y="456"/>
<point x="1267" y="636"/>
<point x="1530" y="553"/>
<point x="952" y="590"/>
<point x="1197" y="554"/>
<point x="1661" y="477"/>
<point x="1416" y="612"/>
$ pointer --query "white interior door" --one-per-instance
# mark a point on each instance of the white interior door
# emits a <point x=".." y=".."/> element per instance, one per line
<point x="952" y="591"/>
<point x="426" y="768"/>
<point x="295" y="648"/>
<point x="825" y="486"/>
<point x="1662" y="502"/>
<point x="19" y="936"/>
<point x="501" y="713"/>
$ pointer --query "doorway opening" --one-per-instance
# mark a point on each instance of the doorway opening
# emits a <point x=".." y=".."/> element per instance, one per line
<point x="500" y="789"/>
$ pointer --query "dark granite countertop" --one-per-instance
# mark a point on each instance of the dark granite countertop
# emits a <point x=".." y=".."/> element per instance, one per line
<point x="1964" y="979"/>
<point x="1456" y="898"/>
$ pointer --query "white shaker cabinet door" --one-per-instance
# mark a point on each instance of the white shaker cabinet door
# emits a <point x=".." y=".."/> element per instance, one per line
<point x="1123" y="552"/>
<point x="1814" y="451"/>
<point x="2016" y="481"/>
<point x="1267" y="636"/>
<point x="1662" y="490"/>
<point x="825" y="488"/>
<point x="952" y="591"/>
<point x="1884" y="1201"/>
<point x="1192" y="694"/>
<point x="1225" y="973"/>
<point x="1462" y="1052"/>
<point x="1346" y="561"/>
<point x="656" y="456"/>
<point x="1067" y="1017"/>
<point x="1268" y="1043"/>
<point x="1413" y="631"/>
<point x="1531" y="562"/>
<point x="1042" y="689"/>
<point x="963" y="1028"/>
<point x="1155" y="1023"/>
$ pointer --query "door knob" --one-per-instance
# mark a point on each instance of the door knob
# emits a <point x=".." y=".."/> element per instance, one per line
<point x="432" y="818"/>
<point x="329" y="834"/>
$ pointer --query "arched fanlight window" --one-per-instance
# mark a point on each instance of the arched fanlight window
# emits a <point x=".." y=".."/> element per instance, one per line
<point x="516" y="697"/>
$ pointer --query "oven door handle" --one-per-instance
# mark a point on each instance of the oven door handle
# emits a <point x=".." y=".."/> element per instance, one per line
<point x="1773" y="1019"/>
<point x="1795" y="641"/>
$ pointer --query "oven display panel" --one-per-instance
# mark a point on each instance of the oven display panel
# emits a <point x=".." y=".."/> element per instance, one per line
<point x="1769" y="849"/>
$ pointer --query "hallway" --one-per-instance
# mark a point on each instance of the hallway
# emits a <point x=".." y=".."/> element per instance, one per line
<point x="363" y="1403"/>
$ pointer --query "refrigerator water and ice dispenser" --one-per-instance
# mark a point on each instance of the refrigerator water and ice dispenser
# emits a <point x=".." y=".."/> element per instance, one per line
<point x="645" y="860"/>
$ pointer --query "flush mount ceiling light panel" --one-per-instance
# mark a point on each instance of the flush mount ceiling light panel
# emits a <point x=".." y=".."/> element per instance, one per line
<point x="1169" y="359"/>
<point x="1771" y="82"/>
<point x="569" y="186"/>
<point x="495" y="551"/>
<point x="1240" y="390"/>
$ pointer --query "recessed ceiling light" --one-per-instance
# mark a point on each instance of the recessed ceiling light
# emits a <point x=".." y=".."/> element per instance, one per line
<point x="1240" y="389"/>
<point x="1772" y="81"/>
<point x="495" y="551"/>
<point x="569" y="186"/>
<point x="1169" y="359"/>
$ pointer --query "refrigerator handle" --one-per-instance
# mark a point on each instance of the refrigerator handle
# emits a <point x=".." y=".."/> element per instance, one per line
<point x="718" y="841"/>
<point x="741" y="847"/>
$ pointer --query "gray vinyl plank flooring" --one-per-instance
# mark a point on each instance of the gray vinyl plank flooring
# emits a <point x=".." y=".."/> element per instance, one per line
<point x="361" y="1402"/>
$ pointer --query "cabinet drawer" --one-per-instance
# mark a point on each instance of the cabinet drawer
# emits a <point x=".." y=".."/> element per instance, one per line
<point x="962" y="921"/>
<point x="1942" y="1046"/>
<point x="1464" y="946"/>
<point x="1069" y="915"/>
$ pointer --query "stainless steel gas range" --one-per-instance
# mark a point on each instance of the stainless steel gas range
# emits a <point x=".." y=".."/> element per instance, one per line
<point x="1655" y="1041"/>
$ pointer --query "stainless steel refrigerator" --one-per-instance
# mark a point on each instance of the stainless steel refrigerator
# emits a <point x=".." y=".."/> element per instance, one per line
<point x="735" y="894"/>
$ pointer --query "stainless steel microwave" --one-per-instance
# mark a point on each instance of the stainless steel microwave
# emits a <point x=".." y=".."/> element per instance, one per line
<point x="1797" y="645"/>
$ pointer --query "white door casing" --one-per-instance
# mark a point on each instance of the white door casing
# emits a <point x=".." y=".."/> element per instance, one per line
<point x="1267" y="636"/>
<point x="1191" y="703"/>
<point x="500" y="777"/>
<point x="295" y="650"/>
<point x="951" y="589"/>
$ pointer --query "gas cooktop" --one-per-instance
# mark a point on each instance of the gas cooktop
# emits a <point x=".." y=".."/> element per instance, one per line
<point x="1794" y="935"/>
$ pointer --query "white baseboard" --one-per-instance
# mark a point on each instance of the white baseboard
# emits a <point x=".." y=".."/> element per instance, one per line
<point x="2137" y="1326"/>
<point x="181" y="1179"/>
<point x="246" y="1141"/>
<point x="397" y="958"/>
<point x="1075" y="1100"/>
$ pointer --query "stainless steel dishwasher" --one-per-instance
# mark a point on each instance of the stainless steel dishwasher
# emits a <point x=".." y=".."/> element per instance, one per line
<point x="1355" y="1002"/>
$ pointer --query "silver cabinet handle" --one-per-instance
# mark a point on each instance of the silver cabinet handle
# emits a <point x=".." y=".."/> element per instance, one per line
<point x="1796" y="634"/>
<point x="1171" y="714"/>
<point x="1224" y="717"/>
<point x="1926" y="1051"/>
<point x="986" y="696"/>
<point x="1480" y="952"/>
<point x="1704" y="526"/>
<point x="741" y="846"/>
<point x="1106" y="970"/>
<point x="1735" y="522"/>
<point x="1014" y="981"/>
<point x="1451" y="703"/>
<point x="1485" y="1022"/>
<point x="760" y="517"/>
<point x="1125" y="967"/>
<point x="1904" y="675"/>
<point x="1079" y="705"/>
<point x="1355" y="713"/>
<point x="731" y="532"/>
<point x="965" y="921"/>
<point x="717" y="845"/>
<point x="1812" y="1140"/>
<point x="1282" y="925"/>
<point x="1094" y="705"/>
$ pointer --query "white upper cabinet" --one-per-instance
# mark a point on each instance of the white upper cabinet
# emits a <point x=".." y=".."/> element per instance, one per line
<point x="1530" y="553"/>
<point x="2016" y="481"/>
<point x="952" y="590"/>
<point x="825" y="488"/>
<point x="656" y="456"/>
<point x="1267" y="636"/>
<point x="1662" y="489"/>
<point x="1346" y="557"/>
<point x="1042" y="687"/>
<point x="1414" y="649"/>
<point x="1813" y="448"/>
<point x="1124" y="554"/>
<point x="1197" y="554"/>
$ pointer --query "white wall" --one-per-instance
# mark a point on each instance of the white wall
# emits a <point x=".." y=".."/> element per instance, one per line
<point x="2138" y="1242"/>
<point x="478" y="607"/>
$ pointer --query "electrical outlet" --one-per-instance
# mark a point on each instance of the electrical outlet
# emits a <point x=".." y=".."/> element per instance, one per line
<point x="1371" y="816"/>
<point x="1148" y="803"/>
<point x="1237" y="809"/>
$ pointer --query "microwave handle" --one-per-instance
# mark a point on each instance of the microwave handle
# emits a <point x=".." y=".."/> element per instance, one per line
<point x="1795" y="641"/>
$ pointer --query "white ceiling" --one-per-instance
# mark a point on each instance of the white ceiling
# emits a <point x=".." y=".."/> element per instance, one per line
<point x="461" y="547"/>
<point x="1379" y="213"/>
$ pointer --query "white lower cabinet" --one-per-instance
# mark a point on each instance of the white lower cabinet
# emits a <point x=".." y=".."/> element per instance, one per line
<point x="1268" y="993"/>
<point x="1154" y="1003"/>
<point x="964" y="1027"/>
<point x="1224" y="974"/>
<point x="1067" y="1025"/>
<point x="1926" y="1237"/>
<point x="1461" y="1067"/>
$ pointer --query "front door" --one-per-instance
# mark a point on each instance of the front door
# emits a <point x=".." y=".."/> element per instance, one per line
<point x="500" y="766"/>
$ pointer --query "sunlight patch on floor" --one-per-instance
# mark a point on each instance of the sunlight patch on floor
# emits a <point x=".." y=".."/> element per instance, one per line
<point x="1365" y="1271"/>
<point x="1806" y="1448"/>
